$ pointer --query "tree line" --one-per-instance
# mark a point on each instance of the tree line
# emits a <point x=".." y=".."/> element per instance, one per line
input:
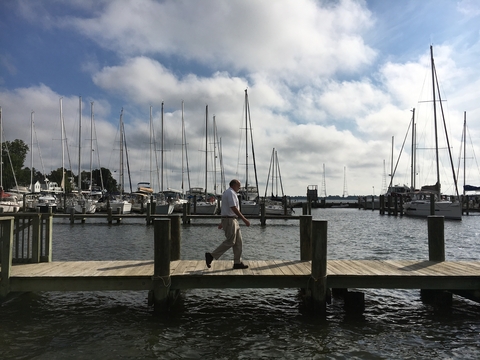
<point x="14" y="172"/>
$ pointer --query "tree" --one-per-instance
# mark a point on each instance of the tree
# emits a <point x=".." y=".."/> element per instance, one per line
<point x="13" y="157"/>
<point x="109" y="183"/>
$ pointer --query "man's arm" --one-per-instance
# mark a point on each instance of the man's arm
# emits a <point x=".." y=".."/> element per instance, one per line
<point x="240" y="215"/>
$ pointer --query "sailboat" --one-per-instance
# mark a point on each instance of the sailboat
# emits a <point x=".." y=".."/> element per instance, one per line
<point x="177" y="197"/>
<point x="206" y="203"/>
<point x="420" y="205"/>
<point x="162" y="204"/>
<point x="120" y="205"/>
<point x="470" y="200"/>
<point x="249" y="195"/>
<point x="81" y="203"/>
<point x="275" y="204"/>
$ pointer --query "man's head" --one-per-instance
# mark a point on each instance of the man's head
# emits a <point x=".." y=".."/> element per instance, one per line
<point x="235" y="184"/>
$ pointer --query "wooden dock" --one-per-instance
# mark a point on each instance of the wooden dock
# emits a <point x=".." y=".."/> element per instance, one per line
<point x="166" y="273"/>
<point x="193" y="274"/>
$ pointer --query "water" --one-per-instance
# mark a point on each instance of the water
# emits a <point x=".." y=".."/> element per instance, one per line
<point x="247" y="323"/>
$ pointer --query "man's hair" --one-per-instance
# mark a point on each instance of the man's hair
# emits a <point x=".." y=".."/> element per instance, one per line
<point x="234" y="182"/>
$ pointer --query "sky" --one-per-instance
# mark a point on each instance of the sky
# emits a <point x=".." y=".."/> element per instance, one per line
<point x="331" y="88"/>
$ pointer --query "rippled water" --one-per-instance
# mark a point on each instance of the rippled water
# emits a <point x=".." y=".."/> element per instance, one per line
<point x="249" y="323"/>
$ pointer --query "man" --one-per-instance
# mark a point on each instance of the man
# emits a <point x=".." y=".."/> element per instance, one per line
<point x="233" y="237"/>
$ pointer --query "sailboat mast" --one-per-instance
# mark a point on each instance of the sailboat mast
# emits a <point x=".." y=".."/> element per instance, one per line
<point x="413" y="165"/>
<point x="161" y="159"/>
<point x="150" y="152"/>
<point x="63" y="150"/>
<point x="435" y="117"/>
<point x="121" y="153"/>
<point x="91" y="145"/>
<point x="464" y="149"/>
<point x="214" y="156"/>
<point x="206" y="149"/>
<point x="1" y="149"/>
<point x="246" y="144"/>
<point x="31" y="150"/>
<point x="79" y="144"/>
<point x="183" y="144"/>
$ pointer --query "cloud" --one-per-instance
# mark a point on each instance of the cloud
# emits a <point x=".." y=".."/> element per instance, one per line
<point x="291" y="39"/>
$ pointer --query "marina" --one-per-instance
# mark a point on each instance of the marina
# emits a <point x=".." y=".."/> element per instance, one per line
<point x="168" y="273"/>
<point x="254" y="322"/>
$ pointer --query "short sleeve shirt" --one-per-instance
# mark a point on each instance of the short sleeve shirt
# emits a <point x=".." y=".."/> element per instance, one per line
<point x="229" y="199"/>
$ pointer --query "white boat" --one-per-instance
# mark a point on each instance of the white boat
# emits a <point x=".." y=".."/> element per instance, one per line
<point x="421" y="207"/>
<point x="200" y="203"/>
<point x="249" y="194"/>
<point x="419" y="204"/>
<point x="8" y="203"/>
<point x="120" y="206"/>
<point x="46" y="203"/>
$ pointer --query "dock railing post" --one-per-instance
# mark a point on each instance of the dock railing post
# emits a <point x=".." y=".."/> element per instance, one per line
<point x="148" y="218"/>
<point x="161" y="267"/>
<point x="36" y="237"/>
<point x="6" y="253"/>
<point x="306" y="237"/>
<point x="319" y="267"/>
<point x="48" y="238"/>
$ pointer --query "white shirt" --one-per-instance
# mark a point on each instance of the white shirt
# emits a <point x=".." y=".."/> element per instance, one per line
<point x="229" y="199"/>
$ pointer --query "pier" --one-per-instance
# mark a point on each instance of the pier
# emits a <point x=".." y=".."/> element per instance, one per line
<point x="27" y="266"/>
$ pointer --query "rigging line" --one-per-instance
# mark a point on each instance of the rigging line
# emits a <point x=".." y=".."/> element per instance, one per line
<point x="446" y="136"/>
<point x="253" y="150"/>
<point x="268" y="176"/>
<point x="401" y="150"/>
<point x="98" y="156"/>
<point x="39" y="152"/>
<point x="10" y="159"/>
<point x="473" y="150"/>
<point x="126" y="155"/>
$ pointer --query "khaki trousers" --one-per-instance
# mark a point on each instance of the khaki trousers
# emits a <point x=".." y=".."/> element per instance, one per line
<point x="233" y="239"/>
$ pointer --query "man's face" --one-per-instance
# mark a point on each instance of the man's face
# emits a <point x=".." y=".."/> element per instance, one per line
<point x="236" y="187"/>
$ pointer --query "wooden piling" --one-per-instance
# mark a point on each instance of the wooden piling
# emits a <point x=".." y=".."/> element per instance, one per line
<point x="72" y="215"/>
<point x="6" y="254"/>
<point x="161" y="267"/>
<point x="436" y="238"/>
<point x="148" y="219"/>
<point x="432" y="204"/>
<point x="436" y="252"/>
<point x="263" y="218"/>
<point x="319" y="267"/>
<point x="176" y="237"/>
<point x="109" y="214"/>
<point x="306" y="237"/>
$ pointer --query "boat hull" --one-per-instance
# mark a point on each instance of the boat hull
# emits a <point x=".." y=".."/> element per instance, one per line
<point x="421" y="208"/>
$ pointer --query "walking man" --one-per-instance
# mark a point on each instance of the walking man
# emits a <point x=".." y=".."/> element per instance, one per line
<point x="230" y="213"/>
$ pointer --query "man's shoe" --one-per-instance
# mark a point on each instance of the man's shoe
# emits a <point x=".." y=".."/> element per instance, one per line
<point x="208" y="259"/>
<point x="240" y="266"/>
